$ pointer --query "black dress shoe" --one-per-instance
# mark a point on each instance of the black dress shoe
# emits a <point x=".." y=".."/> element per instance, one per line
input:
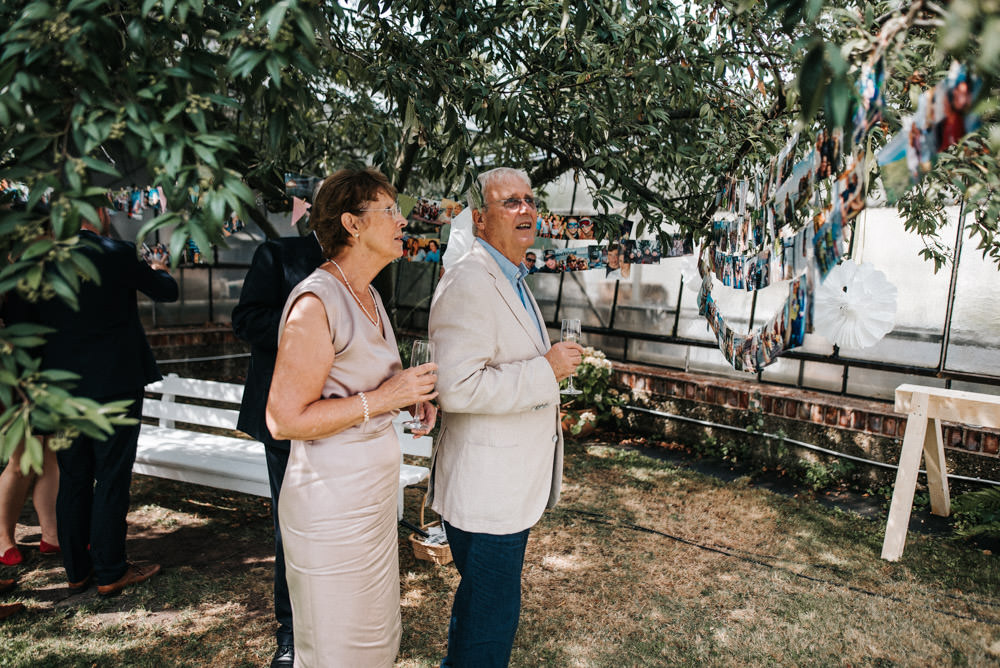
<point x="284" y="657"/>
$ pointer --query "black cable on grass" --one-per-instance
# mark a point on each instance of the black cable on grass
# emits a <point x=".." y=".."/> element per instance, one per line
<point x="598" y="518"/>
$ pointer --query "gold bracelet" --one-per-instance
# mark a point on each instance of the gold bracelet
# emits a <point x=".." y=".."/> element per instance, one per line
<point x="364" y="406"/>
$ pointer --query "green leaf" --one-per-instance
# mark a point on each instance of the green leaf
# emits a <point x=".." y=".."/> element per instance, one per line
<point x="812" y="81"/>
<point x="58" y="375"/>
<point x="12" y="434"/>
<point x="274" y="17"/>
<point x="36" y="249"/>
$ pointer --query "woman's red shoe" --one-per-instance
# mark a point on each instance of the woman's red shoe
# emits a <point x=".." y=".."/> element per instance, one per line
<point x="11" y="557"/>
<point x="48" y="548"/>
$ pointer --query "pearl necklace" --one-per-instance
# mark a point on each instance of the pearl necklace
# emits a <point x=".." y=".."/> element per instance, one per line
<point x="374" y="319"/>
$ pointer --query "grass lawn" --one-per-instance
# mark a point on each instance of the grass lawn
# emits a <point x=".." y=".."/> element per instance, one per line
<point x="641" y="564"/>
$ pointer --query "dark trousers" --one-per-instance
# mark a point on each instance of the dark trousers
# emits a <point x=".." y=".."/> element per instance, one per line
<point x="94" y="481"/>
<point x="277" y="461"/>
<point x="487" y="604"/>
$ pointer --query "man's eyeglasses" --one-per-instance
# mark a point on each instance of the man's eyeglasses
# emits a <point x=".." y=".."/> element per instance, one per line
<point x="514" y="203"/>
<point x="391" y="210"/>
<point x="529" y="259"/>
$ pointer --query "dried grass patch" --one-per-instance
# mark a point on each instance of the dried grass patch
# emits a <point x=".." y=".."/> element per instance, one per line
<point x="723" y="575"/>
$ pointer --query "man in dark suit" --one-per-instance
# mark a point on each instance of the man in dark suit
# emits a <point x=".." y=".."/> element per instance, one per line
<point x="278" y="265"/>
<point x="104" y="344"/>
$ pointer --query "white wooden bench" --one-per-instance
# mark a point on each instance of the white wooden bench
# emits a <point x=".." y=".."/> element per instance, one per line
<point x="925" y="408"/>
<point x="179" y="446"/>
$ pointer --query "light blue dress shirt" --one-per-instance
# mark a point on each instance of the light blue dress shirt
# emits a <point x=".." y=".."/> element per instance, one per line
<point x="515" y="273"/>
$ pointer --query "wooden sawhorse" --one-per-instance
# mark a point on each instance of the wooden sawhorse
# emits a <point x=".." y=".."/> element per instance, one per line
<point x="925" y="407"/>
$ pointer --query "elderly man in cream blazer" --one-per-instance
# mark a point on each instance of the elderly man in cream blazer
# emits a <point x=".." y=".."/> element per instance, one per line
<point x="498" y="461"/>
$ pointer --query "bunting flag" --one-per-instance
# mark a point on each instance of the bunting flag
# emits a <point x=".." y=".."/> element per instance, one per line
<point x="299" y="208"/>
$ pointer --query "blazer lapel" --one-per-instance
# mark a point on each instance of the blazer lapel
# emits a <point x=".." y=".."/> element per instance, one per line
<point x="509" y="296"/>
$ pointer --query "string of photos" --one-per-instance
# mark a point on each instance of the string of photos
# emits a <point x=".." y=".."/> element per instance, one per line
<point x="134" y="201"/>
<point x="425" y="216"/>
<point x="757" y="237"/>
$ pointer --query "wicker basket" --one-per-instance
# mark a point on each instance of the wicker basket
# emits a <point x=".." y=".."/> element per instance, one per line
<point x="438" y="554"/>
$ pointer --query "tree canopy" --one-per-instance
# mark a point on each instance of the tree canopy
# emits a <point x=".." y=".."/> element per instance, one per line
<point x="650" y="104"/>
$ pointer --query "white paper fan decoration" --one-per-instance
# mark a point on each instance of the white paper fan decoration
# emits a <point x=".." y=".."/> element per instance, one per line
<point x="855" y="306"/>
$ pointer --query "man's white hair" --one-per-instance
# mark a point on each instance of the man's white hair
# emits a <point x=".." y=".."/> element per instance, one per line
<point x="477" y="194"/>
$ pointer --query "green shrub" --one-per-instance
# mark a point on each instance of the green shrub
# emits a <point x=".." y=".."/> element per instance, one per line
<point x="978" y="513"/>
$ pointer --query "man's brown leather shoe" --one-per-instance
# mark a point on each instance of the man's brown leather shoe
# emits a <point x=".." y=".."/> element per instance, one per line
<point x="8" y="609"/>
<point x="6" y="584"/>
<point x="82" y="585"/>
<point x="133" y="575"/>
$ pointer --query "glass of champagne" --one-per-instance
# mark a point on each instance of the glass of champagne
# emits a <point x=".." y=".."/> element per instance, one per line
<point x="423" y="352"/>
<point x="571" y="332"/>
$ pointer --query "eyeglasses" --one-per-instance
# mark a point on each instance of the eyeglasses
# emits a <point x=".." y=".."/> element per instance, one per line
<point x="529" y="259"/>
<point x="391" y="210"/>
<point x="514" y="203"/>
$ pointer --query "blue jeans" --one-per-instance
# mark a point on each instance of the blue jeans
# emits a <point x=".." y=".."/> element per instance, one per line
<point x="487" y="603"/>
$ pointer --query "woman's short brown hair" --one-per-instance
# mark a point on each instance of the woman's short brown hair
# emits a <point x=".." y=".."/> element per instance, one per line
<point x="344" y="191"/>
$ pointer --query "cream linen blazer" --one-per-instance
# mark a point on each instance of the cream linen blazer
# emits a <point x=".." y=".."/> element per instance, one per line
<point x="497" y="463"/>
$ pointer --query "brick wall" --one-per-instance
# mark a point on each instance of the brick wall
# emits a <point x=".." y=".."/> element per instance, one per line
<point x="179" y="343"/>
<point x="860" y="427"/>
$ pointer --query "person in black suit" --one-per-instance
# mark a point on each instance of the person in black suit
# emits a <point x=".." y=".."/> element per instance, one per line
<point x="278" y="265"/>
<point x="104" y="343"/>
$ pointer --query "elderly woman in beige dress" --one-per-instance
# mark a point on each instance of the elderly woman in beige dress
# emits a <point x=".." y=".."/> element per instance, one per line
<point x="338" y="382"/>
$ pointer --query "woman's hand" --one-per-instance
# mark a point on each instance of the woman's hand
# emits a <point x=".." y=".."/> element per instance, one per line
<point x="406" y="389"/>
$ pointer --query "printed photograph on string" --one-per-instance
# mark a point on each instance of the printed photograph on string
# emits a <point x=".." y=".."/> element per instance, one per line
<point x="763" y="274"/>
<point x="828" y="148"/>
<point x="572" y="259"/>
<point x="736" y="354"/>
<point x="719" y="260"/>
<point x="750" y="273"/>
<point x="705" y="296"/>
<point x="531" y="260"/>
<point x="421" y="249"/>
<point x="869" y="108"/>
<point x="426" y="211"/>
<point x="783" y="163"/>
<point x="852" y="190"/>
<point x="727" y="271"/>
<point x="633" y="255"/>
<point x="959" y="94"/>
<point x="726" y="341"/>
<point x="739" y="273"/>
<point x="587" y="231"/>
<point x="597" y="257"/>
<point x="617" y="269"/>
<point x="648" y="251"/>
<point x="301" y="185"/>
<point x="827" y="244"/>
<point x="798" y="298"/>
<point x="720" y="234"/>
<point x="550" y="264"/>
<point x="893" y="164"/>
<point x="572" y="227"/>
<point x="550" y="226"/>
<point x="679" y="245"/>
<point x="751" y="347"/>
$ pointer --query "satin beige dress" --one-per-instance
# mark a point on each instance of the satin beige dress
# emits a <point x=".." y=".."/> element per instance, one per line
<point x="337" y="508"/>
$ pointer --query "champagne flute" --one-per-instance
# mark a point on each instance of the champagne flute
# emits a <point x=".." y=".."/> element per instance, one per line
<point x="571" y="332"/>
<point x="423" y="352"/>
